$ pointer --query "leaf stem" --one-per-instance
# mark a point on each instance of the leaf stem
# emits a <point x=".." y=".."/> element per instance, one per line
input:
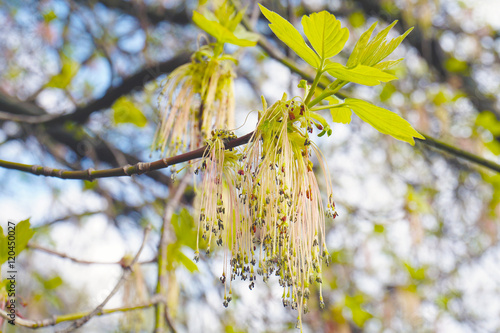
<point x="323" y="107"/>
<point x="332" y="89"/>
<point x="315" y="82"/>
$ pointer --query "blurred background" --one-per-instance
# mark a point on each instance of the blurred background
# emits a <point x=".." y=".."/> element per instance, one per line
<point x="415" y="246"/>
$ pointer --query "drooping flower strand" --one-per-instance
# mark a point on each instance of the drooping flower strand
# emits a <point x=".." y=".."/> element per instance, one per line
<point x="284" y="202"/>
<point x="222" y="215"/>
<point x="264" y="206"/>
<point x="196" y="98"/>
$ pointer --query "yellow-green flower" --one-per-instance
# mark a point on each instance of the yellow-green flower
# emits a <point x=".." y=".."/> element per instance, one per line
<point x="222" y="215"/>
<point x="196" y="98"/>
<point x="264" y="204"/>
<point x="283" y="200"/>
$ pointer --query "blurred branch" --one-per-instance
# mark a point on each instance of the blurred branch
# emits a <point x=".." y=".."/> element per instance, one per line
<point x="430" y="141"/>
<point x="32" y="114"/>
<point x="70" y="216"/>
<point x="133" y="82"/>
<point x="88" y="24"/>
<point x="167" y="236"/>
<point x="128" y="270"/>
<point x="76" y="260"/>
<point x="16" y="110"/>
<point x="11" y="108"/>
<point x="127" y="170"/>
<point x="74" y="316"/>
<point x="154" y="12"/>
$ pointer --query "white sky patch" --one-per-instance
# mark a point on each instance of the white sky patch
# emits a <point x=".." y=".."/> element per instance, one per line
<point x="485" y="12"/>
<point x="278" y="79"/>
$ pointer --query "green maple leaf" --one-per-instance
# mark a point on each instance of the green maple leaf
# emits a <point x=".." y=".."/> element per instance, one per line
<point x="222" y="33"/>
<point x="381" y="119"/>
<point x="361" y="74"/>
<point x="371" y="53"/>
<point x="287" y="33"/>
<point x="325" y="34"/>
<point x="21" y="237"/>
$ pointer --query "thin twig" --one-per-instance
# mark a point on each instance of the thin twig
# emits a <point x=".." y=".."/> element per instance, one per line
<point x="30" y="323"/>
<point x="80" y="261"/>
<point x="167" y="237"/>
<point x="430" y="141"/>
<point x="126" y="273"/>
<point x="68" y="217"/>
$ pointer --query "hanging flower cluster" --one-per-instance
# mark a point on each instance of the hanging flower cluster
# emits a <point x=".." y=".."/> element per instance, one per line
<point x="197" y="97"/>
<point x="269" y="214"/>
<point x="284" y="201"/>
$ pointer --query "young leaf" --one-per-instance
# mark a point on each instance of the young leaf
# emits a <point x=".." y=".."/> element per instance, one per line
<point x="361" y="74"/>
<point x="187" y="262"/>
<point x="23" y="235"/>
<point x="388" y="48"/>
<point x="69" y="69"/>
<point x="354" y="58"/>
<point x="341" y="114"/>
<point x="242" y="34"/>
<point x="373" y="52"/>
<point x="125" y="111"/>
<point x="324" y="33"/>
<point x="217" y="30"/>
<point x="387" y="64"/>
<point x="287" y="33"/>
<point x="226" y="15"/>
<point x="383" y="120"/>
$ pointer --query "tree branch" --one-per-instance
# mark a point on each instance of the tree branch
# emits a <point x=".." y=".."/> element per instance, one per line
<point x="155" y="13"/>
<point x="76" y="260"/>
<point x="166" y="237"/>
<point x="74" y="316"/>
<point x="430" y="141"/>
<point x="80" y="322"/>
<point x="68" y="217"/>
<point x="32" y="114"/>
<point x="103" y="152"/>
<point x="12" y="106"/>
<point x="127" y="170"/>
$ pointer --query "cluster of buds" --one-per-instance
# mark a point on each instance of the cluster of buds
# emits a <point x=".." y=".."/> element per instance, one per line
<point x="264" y="204"/>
